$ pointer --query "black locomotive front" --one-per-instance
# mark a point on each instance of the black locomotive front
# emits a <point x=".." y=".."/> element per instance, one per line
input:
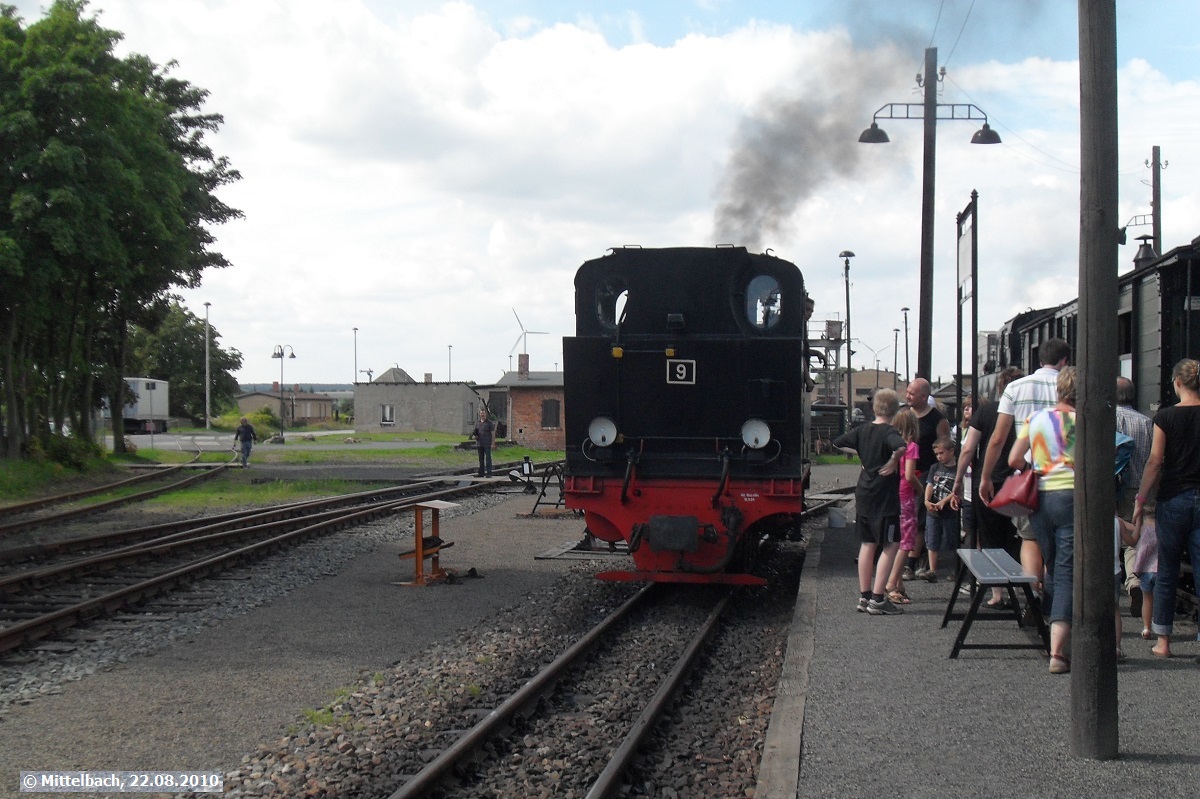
<point x="685" y="405"/>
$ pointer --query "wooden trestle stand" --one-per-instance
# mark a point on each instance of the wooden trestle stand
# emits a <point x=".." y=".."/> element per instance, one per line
<point x="420" y="551"/>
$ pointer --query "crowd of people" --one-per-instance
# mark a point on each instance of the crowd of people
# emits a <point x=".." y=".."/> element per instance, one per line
<point x="924" y="489"/>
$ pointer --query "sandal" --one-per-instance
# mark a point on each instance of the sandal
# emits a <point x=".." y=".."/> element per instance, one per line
<point x="1059" y="665"/>
<point x="898" y="597"/>
<point x="1001" y="605"/>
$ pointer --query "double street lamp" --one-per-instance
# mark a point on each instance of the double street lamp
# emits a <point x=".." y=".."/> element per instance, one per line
<point x="930" y="111"/>
<point x="282" y="350"/>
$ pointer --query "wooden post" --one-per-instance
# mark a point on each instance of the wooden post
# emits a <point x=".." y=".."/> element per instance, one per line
<point x="1094" y="731"/>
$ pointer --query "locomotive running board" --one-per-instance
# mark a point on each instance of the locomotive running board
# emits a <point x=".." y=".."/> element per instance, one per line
<point x="680" y="577"/>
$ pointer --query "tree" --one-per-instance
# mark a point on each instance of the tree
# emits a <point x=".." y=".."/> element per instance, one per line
<point x="110" y="191"/>
<point x="173" y="350"/>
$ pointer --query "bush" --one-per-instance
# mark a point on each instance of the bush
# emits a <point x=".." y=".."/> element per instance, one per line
<point x="69" y="451"/>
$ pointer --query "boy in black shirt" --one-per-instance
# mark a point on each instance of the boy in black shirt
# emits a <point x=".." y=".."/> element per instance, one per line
<point x="877" y="500"/>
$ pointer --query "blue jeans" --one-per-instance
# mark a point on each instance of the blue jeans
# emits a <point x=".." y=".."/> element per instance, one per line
<point x="942" y="531"/>
<point x="1054" y="523"/>
<point x="1178" y="521"/>
<point x="485" y="461"/>
<point x="244" y="450"/>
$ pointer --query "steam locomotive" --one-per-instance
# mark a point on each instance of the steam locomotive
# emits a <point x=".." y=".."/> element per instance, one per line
<point x="685" y="408"/>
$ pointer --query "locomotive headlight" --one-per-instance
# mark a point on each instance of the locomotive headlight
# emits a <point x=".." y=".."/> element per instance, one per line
<point x="602" y="431"/>
<point x="755" y="433"/>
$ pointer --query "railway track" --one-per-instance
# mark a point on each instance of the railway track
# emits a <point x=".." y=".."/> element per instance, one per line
<point x="38" y="602"/>
<point x="619" y="637"/>
<point x="19" y="508"/>
<point x="32" y="521"/>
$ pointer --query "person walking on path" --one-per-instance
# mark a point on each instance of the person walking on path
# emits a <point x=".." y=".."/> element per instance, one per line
<point x="877" y="501"/>
<point x="1049" y="438"/>
<point x="1172" y="475"/>
<point x="1140" y="428"/>
<point x="1021" y="400"/>
<point x="243" y="441"/>
<point x="485" y="442"/>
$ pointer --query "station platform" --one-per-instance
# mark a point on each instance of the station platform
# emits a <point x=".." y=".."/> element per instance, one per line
<point x="878" y="708"/>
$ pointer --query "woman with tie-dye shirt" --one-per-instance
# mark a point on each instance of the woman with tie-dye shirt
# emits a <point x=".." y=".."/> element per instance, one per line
<point x="1049" y="438"/>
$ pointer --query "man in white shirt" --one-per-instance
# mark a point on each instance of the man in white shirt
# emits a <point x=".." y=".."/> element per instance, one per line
<point x="1021" y="400"/>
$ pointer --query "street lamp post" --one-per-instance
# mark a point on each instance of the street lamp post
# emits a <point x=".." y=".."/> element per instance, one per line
<point x="280" y="351"/>
<point x="895" y="356"/>
<point x="207" y="379"/>
<point x="929" y="112"/>
<point x="907" y="373"/>
<point x="355" y="380"/>
<point x="449" y="363"/>
<point x="846" y="255"/>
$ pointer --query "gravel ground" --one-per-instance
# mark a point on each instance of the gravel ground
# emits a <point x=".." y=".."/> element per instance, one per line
<point x="334" y="651"/>
<point x="198" y="691"/>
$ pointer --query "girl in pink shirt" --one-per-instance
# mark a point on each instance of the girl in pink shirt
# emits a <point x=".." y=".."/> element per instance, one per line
<point x="907" y="425"/>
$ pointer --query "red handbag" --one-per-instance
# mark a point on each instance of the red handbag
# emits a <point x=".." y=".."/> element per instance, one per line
<point x="1018" y="496"/>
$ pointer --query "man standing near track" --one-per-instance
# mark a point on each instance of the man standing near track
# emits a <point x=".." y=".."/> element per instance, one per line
<point x="485" y="442"/>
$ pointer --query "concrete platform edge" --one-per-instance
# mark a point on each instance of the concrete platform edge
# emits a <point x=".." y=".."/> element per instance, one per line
<point x="779" y="769"/>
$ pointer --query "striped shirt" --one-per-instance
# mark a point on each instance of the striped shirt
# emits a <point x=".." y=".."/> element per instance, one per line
<point x="1025" y="397"/>
<point x="1140" y="428"/>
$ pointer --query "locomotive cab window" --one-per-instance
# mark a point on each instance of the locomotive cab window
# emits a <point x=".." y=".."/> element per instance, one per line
<point x="611" y="298"/>
<point x="763" y="302"/>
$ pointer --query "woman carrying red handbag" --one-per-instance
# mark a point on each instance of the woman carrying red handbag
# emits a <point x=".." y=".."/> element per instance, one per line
<point x="1049" y="437"/>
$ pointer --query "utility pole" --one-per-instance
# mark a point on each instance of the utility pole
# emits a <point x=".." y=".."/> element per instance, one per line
<point x="925" y="304"/>
<point x="1094" y="729"/>
<point x="1156" y="167"/>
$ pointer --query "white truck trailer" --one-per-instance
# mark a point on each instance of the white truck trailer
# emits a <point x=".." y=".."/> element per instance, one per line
<point x="148" y="410"/>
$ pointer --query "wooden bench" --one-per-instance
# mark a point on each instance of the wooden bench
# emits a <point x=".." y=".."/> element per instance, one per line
<point x="989" y="568"/>
<point x="428" y="547"/>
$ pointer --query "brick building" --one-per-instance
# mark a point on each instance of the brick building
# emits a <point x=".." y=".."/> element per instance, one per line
<point x="535" y="407"/>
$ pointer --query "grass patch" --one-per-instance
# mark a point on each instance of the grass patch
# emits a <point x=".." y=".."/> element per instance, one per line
<point x="237" y="491"/>
<point x="22" y="480"/>
<point x="319" y="718"/>
<point x="837" y="460"/>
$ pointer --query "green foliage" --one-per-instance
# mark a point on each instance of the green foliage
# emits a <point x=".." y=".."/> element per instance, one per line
<point x="36" y="476"/>
<point x="319" y="718"/>
<point x="264" y="421"/>
<point x="108" y="190"/>
<point x="173" y="350"/>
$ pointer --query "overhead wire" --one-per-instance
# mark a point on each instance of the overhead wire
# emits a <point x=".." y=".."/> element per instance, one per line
<point x="960" y="33"/>
<point x="1063" y="166"/>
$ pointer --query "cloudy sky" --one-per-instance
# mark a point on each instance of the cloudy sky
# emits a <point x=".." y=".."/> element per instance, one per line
<point x="419" y="169"/>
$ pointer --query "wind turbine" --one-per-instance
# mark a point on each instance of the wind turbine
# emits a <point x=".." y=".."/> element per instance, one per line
<point x="523" y="339"/>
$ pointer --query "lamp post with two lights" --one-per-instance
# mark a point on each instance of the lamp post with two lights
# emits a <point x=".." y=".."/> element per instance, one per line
<point x="282" y="350"/>
<point x="929" y="111"/>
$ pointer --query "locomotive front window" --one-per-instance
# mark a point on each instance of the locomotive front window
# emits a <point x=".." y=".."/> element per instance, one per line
<point x="611" y="296"/>
<point x="763" y="302"/>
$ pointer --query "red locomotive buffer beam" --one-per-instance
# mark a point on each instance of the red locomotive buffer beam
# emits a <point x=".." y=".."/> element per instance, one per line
<point x="675" y="535"/>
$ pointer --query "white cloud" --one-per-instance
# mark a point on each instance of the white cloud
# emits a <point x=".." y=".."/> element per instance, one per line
<point x="418" y="175"/>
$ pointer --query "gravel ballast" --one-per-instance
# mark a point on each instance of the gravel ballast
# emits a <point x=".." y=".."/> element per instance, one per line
<point x="198" y="691"/>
